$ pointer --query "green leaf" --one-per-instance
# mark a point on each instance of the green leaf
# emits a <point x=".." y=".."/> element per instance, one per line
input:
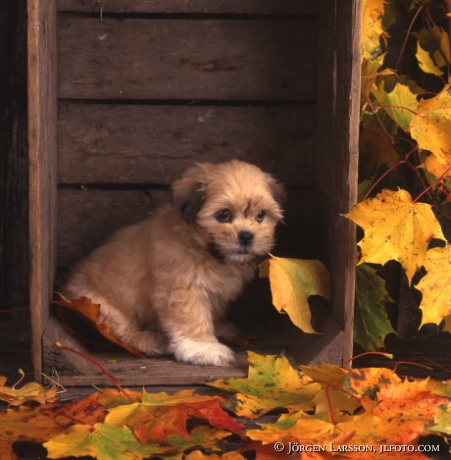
<point x="400" y="103"/>
<point x="442" y="421"/>
<point x="293" y="281"/>
<point x="101" y="441"/>
<point x="371" y="324"/>
<point x="271" y="383"/>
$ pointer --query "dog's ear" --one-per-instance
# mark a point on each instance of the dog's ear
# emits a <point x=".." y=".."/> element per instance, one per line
<point x="278" y="192"/>
<point x="189" y="192"/>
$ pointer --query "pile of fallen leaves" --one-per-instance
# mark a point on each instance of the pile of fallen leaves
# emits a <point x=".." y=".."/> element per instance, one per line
<point x="320" y="412"/>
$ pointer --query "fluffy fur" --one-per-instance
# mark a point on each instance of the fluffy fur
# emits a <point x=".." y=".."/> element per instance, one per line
<point x="164" y="283"/>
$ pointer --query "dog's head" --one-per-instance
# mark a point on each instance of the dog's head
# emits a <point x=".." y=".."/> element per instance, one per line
<point x="236" y="206"/>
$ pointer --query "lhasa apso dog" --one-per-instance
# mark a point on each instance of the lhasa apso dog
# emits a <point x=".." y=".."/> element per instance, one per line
<point x="164" y="284"/>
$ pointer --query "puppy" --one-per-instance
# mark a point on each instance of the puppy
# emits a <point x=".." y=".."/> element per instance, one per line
<point x="164" y="284"/>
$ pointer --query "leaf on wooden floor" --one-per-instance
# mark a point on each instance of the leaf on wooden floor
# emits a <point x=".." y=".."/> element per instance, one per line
<point x="91" y="312"/>
<point x="31" y="392"/>
<point x="271" y="383"/>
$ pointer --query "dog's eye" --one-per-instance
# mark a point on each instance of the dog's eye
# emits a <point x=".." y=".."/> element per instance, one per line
<point x="225" y="215"/>
<point x="260" y="216"/>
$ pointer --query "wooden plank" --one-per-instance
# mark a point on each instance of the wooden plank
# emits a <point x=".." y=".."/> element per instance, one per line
<point x="133" y="144"/>
<point x="87" y="217"/>
<point x="307" y="349"/>
<point x="298" y="7"/>
<point x="42" y="159"/>
<point x="337" y="149"/>
<point x="13" y="159"/>
<point x="187" y="59"/>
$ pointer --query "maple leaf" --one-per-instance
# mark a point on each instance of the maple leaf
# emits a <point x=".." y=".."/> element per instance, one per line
<point x="330" y="374"/>
<point x="199" y="455"/>
<point x="400" y="103"/>
<point x="112" y="397"/>
<point x="207" y="438"/>
<point x="438" y="167"/>
<point x="29" y="424"/>
<point x="297" y="427"/>
<point x="369" y="381"/>
<point x="41" y="423"/>
<point x="435" y="286"/>
<point x="271" y="383"/>
<point x="376" y="19"/>
<point x="395" y="228"/>
<point x="30" y="392"/>
<point x="360" y="430"/>
<point x="430" y="126"/>
<point x="369" y="430"/>
<point x="103" y="442"/>
<point x="91" y="311"/>
<point x="293" y="281"/>
<point x="442" y="420"/>
<point x="159" y="415"/>
<point x="432" y="47"/>
<point x="371" y="324"/>
<point x="410" y="399"/>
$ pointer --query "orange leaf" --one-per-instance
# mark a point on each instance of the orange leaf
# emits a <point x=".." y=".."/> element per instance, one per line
<point x="410" y="399"/>
<point x="91" y="311"/>
<point x="159" y="415"/>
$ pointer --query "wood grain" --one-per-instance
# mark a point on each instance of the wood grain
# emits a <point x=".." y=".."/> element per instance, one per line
<point x="304" y="7"/>
<point x="88" y="216"/>
<point x="136" y="144"/>
<point x="187" y="59"/>
<point x="42" y="164"/>
<point x="337" y="149"/>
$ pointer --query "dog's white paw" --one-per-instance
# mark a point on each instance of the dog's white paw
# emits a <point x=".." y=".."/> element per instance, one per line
<point x="202" y="353"/>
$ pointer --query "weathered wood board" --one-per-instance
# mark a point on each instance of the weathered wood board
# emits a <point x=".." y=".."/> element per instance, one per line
<point x="147" y="87"/>
<point x="88" y="216"/>
<point x="299" y="7"/>
<point x="197" y="59"/>
<point x="42" y="164"/>
<point x="143" y="144"/>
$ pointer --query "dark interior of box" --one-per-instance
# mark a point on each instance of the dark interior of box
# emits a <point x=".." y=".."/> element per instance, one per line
<point x="188" y="87"/>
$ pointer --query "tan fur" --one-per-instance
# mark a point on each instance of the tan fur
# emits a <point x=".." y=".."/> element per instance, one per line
<point x="164" y="284"/>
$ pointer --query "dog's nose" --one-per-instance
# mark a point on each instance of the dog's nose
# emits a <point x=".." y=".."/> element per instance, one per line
<point x="245" y="237"/>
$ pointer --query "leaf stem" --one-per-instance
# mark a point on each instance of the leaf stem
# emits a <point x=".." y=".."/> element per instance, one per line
<point x="366" y="353"/>
<point x="100" y="366"/>
<point x="407" y="36"/>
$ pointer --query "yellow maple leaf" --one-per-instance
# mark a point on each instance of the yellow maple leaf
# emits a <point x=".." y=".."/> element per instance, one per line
<point x="436" y="286"/>
<point x="431" y="126"/>
<point x="30" y="392"/>
<point x="438" y="167"/>
<point x="293" y="281"/>
<point x="395" y="228"/>
<point x="373" y="27"/>
<point x="432" y="48"/>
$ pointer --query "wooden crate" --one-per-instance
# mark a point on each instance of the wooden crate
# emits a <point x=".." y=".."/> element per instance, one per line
<point x="125" y="94"/>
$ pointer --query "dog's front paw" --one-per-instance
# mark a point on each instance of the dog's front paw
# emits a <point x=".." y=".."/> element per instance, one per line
<point x="202" y="353"/>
